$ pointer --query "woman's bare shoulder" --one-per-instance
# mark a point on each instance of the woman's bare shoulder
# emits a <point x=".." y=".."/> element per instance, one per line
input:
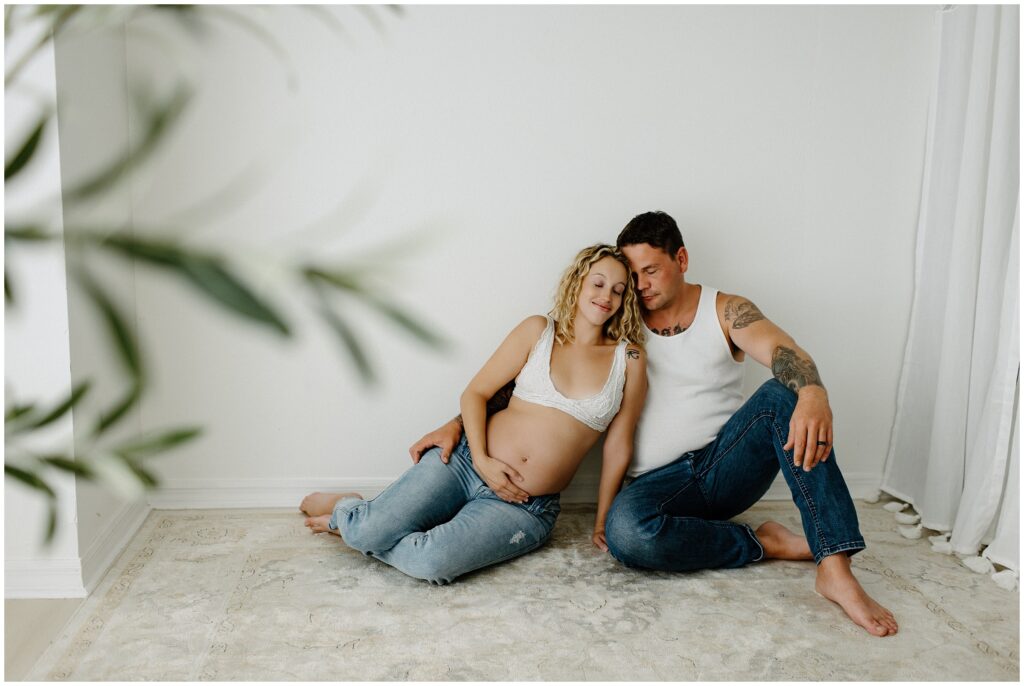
<point x="533" y="325"/>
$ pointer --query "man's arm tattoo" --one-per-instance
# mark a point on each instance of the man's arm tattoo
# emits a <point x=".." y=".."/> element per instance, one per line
<point x="741" y="313"/>
<point x="794" y="371"/>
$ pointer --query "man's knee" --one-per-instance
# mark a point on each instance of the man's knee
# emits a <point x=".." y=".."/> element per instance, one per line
<point x="630" y="533"/>
<point x="775" y="395"/>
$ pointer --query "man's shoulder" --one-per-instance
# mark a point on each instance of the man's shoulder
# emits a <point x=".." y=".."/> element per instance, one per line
<point x="737" y="311"/>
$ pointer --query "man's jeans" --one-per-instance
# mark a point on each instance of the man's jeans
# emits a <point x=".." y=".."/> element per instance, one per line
<point x="674" y="518"/>
<point x="439" y="521"/>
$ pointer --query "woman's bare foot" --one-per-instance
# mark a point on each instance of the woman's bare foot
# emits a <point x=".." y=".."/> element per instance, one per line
<point x="316" y="504"/>
<point x="780" y="543"/>
<point x="319" y="524"/>
<point x="836" y="582"/>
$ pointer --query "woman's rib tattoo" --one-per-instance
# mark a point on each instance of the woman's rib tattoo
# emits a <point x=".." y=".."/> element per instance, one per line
<point x="794" y="371"/>
<point x="741" y="313"/>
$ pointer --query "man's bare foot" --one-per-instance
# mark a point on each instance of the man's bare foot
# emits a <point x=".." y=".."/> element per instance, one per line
<point x="319" y="525"/>
<point x="836" y="582"/>
<point x="780" y="543"/>
<point x="316" y="504"/>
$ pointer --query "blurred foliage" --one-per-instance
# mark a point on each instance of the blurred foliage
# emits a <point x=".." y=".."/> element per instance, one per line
<point x="210" y="276"/>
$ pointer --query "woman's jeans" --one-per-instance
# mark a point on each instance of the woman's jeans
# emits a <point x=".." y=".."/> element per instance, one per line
<point x="673" y="518"/>
<point x="439" y="521"/>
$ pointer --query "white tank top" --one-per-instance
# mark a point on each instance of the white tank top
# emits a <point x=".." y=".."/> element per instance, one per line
<point x="693" y="387"/>
<point x="534" y="384"/>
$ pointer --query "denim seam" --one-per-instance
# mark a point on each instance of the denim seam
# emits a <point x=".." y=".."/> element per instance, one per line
<point x="746" y="430"/>
<point x="675" y="494"/>
<point x="798" y="478"/>
<point x="839" y="548"/>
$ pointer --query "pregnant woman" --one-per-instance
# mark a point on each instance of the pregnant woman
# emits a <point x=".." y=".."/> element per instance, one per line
<point x="578" y="372"/>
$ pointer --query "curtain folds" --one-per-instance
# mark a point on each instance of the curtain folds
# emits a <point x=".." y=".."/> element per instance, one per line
<point x="954" y="451"/>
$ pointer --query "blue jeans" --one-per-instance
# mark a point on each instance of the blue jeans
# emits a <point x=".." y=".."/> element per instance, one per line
<point x="674" y="518"/>
<point x="439" y="521"/>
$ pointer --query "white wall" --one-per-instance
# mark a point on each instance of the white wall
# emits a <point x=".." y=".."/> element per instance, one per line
<point x="93" y="108"/>
<point x="37" y="365"/>
<point x="786" y="141"/>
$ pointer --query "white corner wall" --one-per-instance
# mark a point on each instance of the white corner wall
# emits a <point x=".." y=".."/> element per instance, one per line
<point x="787" y="142"/>
<point x="93" y="111"/>
<point x="37" y="364"/>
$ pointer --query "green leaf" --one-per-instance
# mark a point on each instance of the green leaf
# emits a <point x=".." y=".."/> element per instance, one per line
<point x="30" y="479"/>
<point x="145" y="477"/>
<point x="159" y="443"/>
<point x="60" y="410"/>
<point x="351" y="343"/>
<point x="206" y="273"/>
<point x="346" y="283"/>
<point x="118" y="411"/>
<point x="406" y="322"/>
<point x="64" y="464"/>
<point x="63" y="14"/>
<point x="34" y="482"/>
<point x="28" y="234"/>
<point x="25" y="152"/>
<point x="159" y="253"/>
<point x="158" y="122"/>
<point x="8" y="289"/>
<point x="18" y="411"/>
<point x="221" y="286"/>
<point x="51" y="521"/>
<point x="117" y="329"/>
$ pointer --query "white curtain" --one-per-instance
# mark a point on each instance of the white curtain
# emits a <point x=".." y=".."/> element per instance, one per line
<point x="954" y="452"/>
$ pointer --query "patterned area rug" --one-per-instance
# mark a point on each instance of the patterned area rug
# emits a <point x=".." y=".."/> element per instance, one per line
<point x="251" y="594"/>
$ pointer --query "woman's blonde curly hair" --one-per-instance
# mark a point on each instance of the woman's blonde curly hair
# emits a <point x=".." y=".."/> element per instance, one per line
<point x="626" y="324"/>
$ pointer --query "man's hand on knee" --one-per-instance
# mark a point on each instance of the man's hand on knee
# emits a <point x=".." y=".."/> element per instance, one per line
<point x="445" y="437"/>
<point x="810" y="428"/>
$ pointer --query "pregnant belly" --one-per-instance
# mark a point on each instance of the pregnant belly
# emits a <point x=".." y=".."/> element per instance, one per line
<point x="543" y="444"/>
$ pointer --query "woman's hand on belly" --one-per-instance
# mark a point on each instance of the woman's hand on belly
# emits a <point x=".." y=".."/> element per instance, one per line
<point x="500" y="478"/>
<point x="542" y="444"/>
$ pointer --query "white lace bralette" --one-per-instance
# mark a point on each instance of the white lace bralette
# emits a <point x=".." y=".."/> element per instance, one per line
<point x="534" y="385"/>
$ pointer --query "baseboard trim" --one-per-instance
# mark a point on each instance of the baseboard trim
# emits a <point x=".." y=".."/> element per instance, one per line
<point x="59" y="577"/>
<point x="112" y="542"/>
<point x="188" y="494"/>
<point x="203" y="494"/>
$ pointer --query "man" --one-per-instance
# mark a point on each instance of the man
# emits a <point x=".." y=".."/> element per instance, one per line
<point x="703" y="455"/>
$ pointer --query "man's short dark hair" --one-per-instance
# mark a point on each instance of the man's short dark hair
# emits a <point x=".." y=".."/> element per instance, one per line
<point x="657" y="229"/>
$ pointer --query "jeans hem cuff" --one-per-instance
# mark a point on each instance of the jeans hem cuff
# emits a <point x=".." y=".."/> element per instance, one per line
<point x="760" y="547"/>
<point x="851" y="548"/>
<point x="339" y="506"/>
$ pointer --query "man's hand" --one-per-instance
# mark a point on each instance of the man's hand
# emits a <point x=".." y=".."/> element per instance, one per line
<point x="599" y="540"/>
<point x="446" y="438"/>
<point x="500" y="478"/>
<point x="810" y="428"/>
